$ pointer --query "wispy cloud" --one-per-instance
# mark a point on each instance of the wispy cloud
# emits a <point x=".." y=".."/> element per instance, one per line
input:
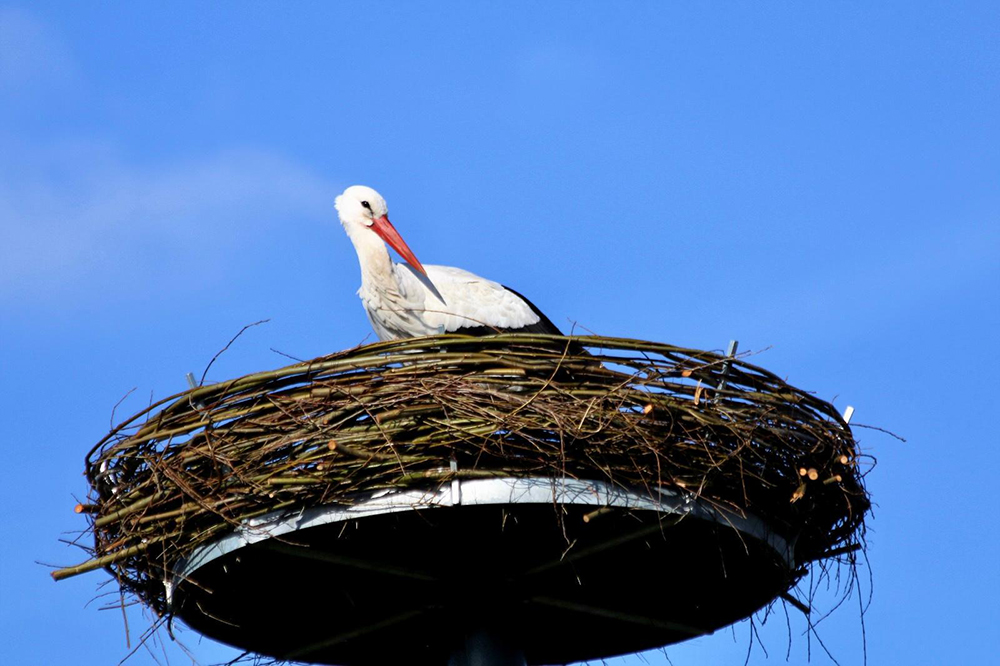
<point x="81" y="212"/>
<point x="79" y="209"/>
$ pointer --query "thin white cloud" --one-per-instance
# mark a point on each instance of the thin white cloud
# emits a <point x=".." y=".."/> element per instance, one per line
<point x="77" y="210"/>
<point x="78" y="219"/>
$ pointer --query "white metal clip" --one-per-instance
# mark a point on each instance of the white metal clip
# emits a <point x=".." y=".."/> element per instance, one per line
<point x="456" y="485"/>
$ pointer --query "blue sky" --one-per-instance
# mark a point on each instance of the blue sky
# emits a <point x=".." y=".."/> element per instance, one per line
<point x="821" y="182"/>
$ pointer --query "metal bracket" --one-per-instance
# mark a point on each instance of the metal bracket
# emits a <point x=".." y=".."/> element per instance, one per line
<point x="456" y="485"/>
<point x="193" y="384"/>
<point x="730" y="354"/>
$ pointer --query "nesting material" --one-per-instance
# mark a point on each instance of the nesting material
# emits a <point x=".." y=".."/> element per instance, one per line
<point x="194" y="466"/>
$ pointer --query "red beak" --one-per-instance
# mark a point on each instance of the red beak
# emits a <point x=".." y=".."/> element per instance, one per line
<point x="388" y="233"/>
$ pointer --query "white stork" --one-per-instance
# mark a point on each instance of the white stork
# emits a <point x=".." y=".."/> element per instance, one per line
<point x="405" y="300"/>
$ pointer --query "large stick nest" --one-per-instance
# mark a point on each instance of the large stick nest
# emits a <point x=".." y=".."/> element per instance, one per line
<point x="392" y="415"/>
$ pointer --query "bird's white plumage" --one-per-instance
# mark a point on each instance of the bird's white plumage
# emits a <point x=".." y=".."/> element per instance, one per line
<point x="447" y="300"/>
<point x="403" y="303"/>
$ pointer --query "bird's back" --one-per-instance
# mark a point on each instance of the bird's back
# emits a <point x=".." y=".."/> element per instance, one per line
<point x="452" y="300"/>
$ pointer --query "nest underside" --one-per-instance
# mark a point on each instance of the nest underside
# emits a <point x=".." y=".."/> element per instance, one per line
<point x="635" y="414"/>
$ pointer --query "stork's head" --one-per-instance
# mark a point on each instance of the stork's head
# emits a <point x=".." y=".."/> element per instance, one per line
<point x="363" y="210"/>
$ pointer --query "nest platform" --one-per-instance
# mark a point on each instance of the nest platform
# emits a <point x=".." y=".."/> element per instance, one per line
<point x="581" y="497"/>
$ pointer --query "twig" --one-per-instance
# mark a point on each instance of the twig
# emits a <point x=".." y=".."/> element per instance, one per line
<point x="201" y="382"/>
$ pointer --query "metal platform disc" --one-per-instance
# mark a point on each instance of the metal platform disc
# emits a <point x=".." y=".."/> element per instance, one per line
<point x="562" y="570"/>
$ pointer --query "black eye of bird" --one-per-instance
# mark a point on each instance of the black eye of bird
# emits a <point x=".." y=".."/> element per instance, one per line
<point x="366" y="205"/>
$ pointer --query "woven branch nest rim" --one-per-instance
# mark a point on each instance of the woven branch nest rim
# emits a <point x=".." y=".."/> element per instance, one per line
<point x="194" y="466"/>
